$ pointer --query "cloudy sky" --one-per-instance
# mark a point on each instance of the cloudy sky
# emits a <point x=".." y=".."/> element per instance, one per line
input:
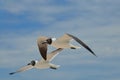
<point x="96" y="22"/>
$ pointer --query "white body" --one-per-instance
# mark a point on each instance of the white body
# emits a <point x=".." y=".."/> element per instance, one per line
<point x="45" y="65"/>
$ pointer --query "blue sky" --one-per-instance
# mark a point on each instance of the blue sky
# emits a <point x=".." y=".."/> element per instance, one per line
<point x="96" y="22"/>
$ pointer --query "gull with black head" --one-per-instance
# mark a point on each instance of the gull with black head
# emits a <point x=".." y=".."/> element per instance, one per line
<point x="42" y="64"/>
<point x="62" y="42"/>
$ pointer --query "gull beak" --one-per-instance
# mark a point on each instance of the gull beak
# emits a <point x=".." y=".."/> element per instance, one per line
<point x="44" y="42"/>
<point x="29" y="64"/>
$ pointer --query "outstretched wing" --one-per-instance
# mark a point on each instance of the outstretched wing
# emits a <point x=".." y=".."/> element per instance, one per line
<point x="82" y="43"/>
<point x="43" y="50"/>
<point x="52" y="55"/>
<point x="22" y="69"/>
<point x="64" y="39"/>
<point x="42" y="47"/>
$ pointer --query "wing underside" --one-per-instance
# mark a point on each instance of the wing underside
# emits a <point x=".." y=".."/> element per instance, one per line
<point x="43" y="50"/>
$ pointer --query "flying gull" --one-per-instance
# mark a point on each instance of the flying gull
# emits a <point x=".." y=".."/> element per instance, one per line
<point x="42" y="64"/>
<point x="62" y="42"/>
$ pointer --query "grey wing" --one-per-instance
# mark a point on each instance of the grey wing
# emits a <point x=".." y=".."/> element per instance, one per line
<point x="65" y="38"/>
<point x="52" y="55"/>
<point x="82" y="43"/>
<point x="22" y="69"/>
<point x="43" y="50"/>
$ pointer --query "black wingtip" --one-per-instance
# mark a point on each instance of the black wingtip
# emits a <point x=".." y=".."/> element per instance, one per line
<point x="12" y="73"/>
<point x="45" y="58"/>
<point x="94" y="54"/>
<point x="82" y="43"/>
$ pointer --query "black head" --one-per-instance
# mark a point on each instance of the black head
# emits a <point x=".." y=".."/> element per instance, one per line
<point x="33" y="62"/>
<point x="49" y="40"/>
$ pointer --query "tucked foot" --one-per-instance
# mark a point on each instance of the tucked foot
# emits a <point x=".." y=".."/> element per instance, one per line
<point x="72" y="47"/>
<point x="53" y="68"/>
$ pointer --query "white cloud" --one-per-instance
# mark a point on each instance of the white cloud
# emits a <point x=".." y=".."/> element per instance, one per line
<point x="44" y="11"/>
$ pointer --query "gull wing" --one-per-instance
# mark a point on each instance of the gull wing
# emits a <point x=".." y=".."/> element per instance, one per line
<point x="52" y="55"/>
<point x="65" y="38"/>
<point x="82" y="43"/>
<point x="43" y="50"/>
<point x="22" y="69"/>
<point x="42" y="47"/>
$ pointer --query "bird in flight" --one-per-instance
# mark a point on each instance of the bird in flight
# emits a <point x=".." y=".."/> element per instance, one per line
<point x="62" y="42"/>
<point x="42" y="64"/>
